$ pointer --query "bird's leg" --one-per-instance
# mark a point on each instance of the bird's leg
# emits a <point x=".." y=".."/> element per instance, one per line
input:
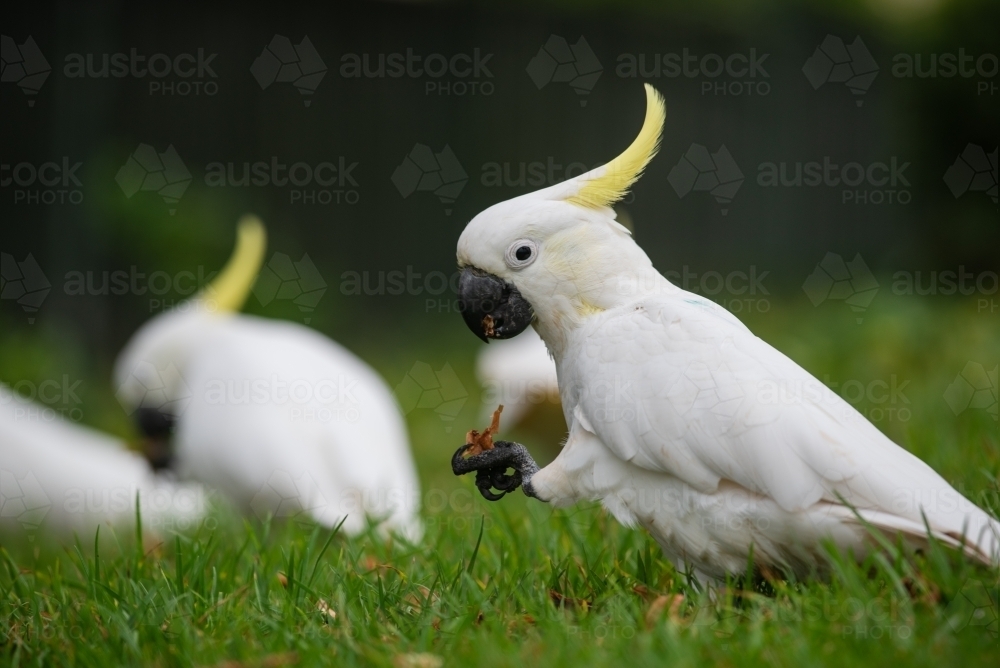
<point x="491" y="468"/>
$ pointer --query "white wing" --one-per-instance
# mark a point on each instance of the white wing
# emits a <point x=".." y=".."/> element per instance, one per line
<point x="678" y="385"/>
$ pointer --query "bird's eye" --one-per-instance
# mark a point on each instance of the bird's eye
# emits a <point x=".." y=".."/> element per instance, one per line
<point x="521" y="253"/>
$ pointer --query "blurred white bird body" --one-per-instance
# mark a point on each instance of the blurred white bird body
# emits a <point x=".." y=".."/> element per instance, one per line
<point x="518" y="373"/>
<point x="63" y="478"/>
<point x="681" y="420"/>
<point x="279" y="417"/>
<point x="280" y="412"/>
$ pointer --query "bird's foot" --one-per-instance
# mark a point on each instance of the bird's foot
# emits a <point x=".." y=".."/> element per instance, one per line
<point x="491" y="468"/>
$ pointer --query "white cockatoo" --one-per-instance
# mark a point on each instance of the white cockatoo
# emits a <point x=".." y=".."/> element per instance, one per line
<point x="62" y="478"/>
<point x="518" y="373"/>
<point x="277" y="416"/>
<point x="680" y="419"/>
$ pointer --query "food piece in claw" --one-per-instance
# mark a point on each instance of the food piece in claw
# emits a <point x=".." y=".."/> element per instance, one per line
<point x="476" y="443"/>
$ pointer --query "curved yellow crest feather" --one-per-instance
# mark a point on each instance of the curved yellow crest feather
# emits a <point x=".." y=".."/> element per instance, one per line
<point x="616" y="177"/>
<point x="231" y="287"/>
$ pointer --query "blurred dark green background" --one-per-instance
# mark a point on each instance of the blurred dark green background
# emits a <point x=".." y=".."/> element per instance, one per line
<point x="500" y="117"/>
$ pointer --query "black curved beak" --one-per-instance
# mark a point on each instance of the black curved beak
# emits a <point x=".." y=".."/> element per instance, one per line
<point x="492" y="307"/>
<point x="157" y="427"/>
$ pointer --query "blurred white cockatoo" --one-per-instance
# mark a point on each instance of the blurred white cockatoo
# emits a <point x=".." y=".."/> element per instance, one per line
<point x="518" y="373"/>
<point x="276" y="415"/>
<point x="681" y="420"/>
<point x="62" y="478"/>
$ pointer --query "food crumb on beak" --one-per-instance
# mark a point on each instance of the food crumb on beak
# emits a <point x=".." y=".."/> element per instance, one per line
<point x="476" y="442"/>
<point x="488" y="329"/>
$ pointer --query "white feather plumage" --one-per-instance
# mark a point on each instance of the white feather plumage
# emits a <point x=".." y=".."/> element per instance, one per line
<point x="279" y="417"/>
<point x="62" y="478"/>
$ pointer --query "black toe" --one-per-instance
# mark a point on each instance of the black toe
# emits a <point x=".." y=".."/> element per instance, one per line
<point x="504" y="482"/>
<point x="484" y="481"/>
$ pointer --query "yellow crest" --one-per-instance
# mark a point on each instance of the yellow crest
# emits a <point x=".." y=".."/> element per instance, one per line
<point x="231" y="287"/>
<point x="615" y="178"/>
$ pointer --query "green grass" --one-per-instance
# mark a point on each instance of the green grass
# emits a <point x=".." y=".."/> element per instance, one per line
<point x="518" y="583"/>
